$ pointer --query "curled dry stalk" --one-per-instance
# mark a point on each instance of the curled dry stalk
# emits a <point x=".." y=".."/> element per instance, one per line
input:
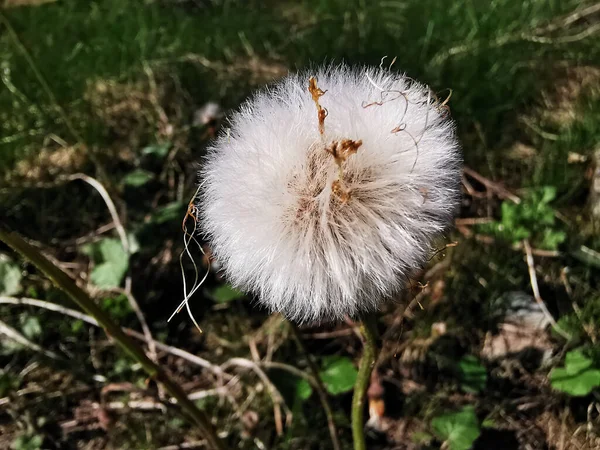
<point x="368" y="330"/>
<point x="79" y="296"/>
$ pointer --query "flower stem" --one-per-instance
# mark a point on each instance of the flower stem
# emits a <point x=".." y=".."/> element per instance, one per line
<point x="368" y="329"/>
<point x="79" y="296"/>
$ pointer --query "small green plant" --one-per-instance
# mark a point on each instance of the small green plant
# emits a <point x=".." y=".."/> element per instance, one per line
<point x="532" y="219"/>
<point x="27" y="442"/>
<point x="579" y="376"/>
<point x="458" y="430"/>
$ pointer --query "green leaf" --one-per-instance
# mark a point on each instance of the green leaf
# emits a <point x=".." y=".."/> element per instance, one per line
<point x="578" y="378"/>
<point x="118" y="306"/>
<point x="551" y="239"/>
<point x="27" y="442"/>
<point x="303" y="389"/>
<point x="10" y="276"/>
<point x="134" y="244"/>
<point x="421" y="437"/>
<point x="8" y="383"/>
<point x="169" y="212"/>
<point x="226" y="293"/>
<point x="76" y="326"/>
<point x="138" y="177"/>
<point x="113" y="263"/>
<point x="548" y="193"/>
<point x="459" y="430"/>
<point x="473" y="374"/>
<point x="158" y="150"/>
<point x="576" y="361"/>
<point x="338" y="374"/>
<point x="30" y="325"/>
<point x="533" y="218"/>
<point x="489" y="423"/>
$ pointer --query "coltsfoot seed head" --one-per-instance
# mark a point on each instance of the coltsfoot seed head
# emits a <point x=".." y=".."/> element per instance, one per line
<point x="328" y="190"/>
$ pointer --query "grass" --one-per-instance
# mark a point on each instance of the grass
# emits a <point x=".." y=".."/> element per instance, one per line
<point x="129" y="75"/>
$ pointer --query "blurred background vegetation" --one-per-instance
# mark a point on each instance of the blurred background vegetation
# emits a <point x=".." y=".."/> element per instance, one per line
<point x="494" y="345"/>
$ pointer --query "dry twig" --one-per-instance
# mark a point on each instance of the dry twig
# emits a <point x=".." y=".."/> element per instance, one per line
<point x="492" y="186"/>
<point x="536" y="291"/>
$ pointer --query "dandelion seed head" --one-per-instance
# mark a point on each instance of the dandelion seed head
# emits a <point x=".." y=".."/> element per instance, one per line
<point x="322" y="207"/>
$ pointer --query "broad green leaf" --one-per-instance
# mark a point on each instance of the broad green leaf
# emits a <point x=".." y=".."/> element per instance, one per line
<point x="459" y="430"/>
<point x="113" y="264"/>
<point x="577" y="385"/>
<point x="107" y="275"/>
<point x="303" y="389"/>
<point x="576" y="361"/>
<point x="158" y="150"/>
<point x="226" y="293"/>
<point x="578" y="378"/>
<point x="473" y="374"/>
<point x="10" y="276"/>
<point x="30" y="325"/>
<point x="138" y="177"/>
<point x="338" y="374"/>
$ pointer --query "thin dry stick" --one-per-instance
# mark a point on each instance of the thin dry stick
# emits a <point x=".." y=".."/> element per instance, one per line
<point x="14" y="335"/>
<point x="531" y="36"/>
<point x="125" y="243"/>
<point x="80" y="297"/>
<point x="492" y="186"/>
<point x="278" y="401"/>
<point x="196" y="360"/>
<point x="368" y="330"/>
<point x="536" y="291"/>
<point x="319" y="387"/>
<point x="116" y="220"/>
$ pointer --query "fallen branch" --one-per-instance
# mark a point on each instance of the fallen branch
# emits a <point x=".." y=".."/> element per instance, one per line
<point x="276" y="397"/>
<point x="79" y="296"/>
<point x="196" y="360"/>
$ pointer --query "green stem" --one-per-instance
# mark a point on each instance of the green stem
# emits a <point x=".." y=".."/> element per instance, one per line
<point x="82" y="299"/>
<point x="368" y="329"/>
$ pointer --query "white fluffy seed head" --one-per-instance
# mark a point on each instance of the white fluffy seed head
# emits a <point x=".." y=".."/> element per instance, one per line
<point x="320" y="225"/>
